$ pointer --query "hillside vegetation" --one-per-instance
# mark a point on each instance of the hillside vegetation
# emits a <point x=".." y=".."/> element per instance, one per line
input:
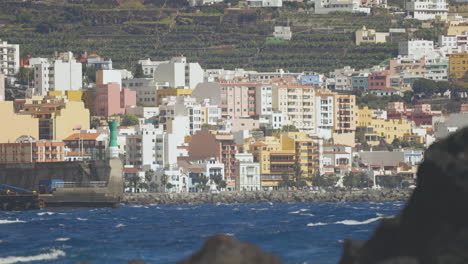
<point x="128" y="30"/>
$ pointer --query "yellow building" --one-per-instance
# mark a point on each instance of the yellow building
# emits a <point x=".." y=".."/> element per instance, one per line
<point x="86" y="96"/>
<point x="458" y="65"/>
<point x="375" y="129"/>
<point x="344" y="123"/>
<point x="16" y="125"/>
<point x="56" y="117"/>
<point x="278" y="154"/>
<point x="163" y="93"/>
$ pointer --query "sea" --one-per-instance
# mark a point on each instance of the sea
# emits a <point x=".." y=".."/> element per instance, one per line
<point x="296" y="232"/>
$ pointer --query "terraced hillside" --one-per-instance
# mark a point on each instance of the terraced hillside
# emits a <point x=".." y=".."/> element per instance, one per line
<point x="320" y="42"/>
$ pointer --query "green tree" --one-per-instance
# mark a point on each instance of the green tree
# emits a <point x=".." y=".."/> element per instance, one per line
<point x="425" y="87"/>
<point x="95" y="123"/>
<point x="164" y="181"/>
<point x="139" y="71"/>
<point x="286" y="181"/>
<point x="356" y="180"/>
<point x="25" y="76"/>
<point x="218" y="180"/>
<point x="299" y="180"/>
<point x="200" y="182"/>
<point x="89" y="74"/>
<point x="325" y="180"/>
<point x="129" y="120"/>
<point x="134" y="182"/>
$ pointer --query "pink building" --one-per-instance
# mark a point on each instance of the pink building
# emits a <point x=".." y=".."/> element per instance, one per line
<point x="379" y="80"/>
<point x="396" y="107"/>
<point x="112" y="100"/>
<point x="237" y="99"/>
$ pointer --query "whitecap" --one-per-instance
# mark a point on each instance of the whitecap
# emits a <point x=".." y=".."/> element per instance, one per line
<point x="229" y="234"/>
<point x="45" y="213"/>
<point x="120" y="225"/>
<point x="317" y="224"/>
<point x="82" y="219"/>
<point x="11" y="221"/>
<point x="259" y="209"/>
<point x="61" y="239"/>
<point x="307" y="214"/>
<point x="354" y="222"/>
<point x="53" y="255"/>
<point x="299" y="211"/>
<point x="340" y="241"/>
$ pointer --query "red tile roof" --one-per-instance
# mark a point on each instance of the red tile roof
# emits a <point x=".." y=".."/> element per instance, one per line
<point x="83" y="136"/>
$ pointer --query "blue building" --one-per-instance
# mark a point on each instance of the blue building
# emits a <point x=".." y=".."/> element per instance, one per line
<point x="311" y="79"/>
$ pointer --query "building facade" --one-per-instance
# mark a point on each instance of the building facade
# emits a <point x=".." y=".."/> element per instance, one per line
<point x="9" y="58"/>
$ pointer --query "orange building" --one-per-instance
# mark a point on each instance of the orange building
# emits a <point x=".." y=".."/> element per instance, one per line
<point x="30" y="152"/>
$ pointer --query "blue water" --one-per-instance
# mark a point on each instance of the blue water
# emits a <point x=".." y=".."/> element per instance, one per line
<point x="297" y="232"/>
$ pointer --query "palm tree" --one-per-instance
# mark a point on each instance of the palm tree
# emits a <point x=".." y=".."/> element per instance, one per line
<point x="164" y="181"/>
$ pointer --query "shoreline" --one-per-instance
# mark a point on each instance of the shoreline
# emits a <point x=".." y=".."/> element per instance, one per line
<point x="266" y="196"/>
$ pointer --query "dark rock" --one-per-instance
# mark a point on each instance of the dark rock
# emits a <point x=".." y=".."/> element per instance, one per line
<point x="433" y="227"/>
<point x="223" y="249"/>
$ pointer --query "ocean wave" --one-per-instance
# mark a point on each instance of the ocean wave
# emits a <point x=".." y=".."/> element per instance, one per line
<point x="45" y="213"/>
<point x="52" y="255"/>
<point x="298" y="211"/>
<point x="354" y="222"/>
<point x="11" y="221"/>
<point x="259" y="209"/>
<point x="62" y="239"/>
<point x="120" y="225"/>
<point x="317" y="224"/>
<point x="307" y="214"/>
<point x="229" y="234"/>
<point x="81" y="219"/>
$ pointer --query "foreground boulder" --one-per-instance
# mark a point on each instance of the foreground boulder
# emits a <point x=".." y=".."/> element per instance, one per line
<point x="223" y="249"/>
<point x="433" y="227"/>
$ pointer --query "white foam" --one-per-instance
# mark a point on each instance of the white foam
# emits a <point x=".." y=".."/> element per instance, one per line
<point x="82" y="219"/>
<point x="317" y="224"/>
<point x="120" y="225"/>
<point x="11" y="221"/>
<point x="45" y="213"/>
<point x="62" y="239"/>
<point x="307" y="214"/>
<point x="230" y="234"/>
<point x="54" y="254"/>
<point x="259" y="209"/>
<point x="354" y="222"/>
<point x="299" y="211"/>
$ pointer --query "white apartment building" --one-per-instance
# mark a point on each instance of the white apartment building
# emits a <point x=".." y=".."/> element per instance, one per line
<point x="416" y="49"/>
<point x="2" y="86"/>
<point x="437" y="69"/>
<point x="146" y="147"/>
<point x="181" y="106"/>
<point x="203" y="2"/>
<point x="282" y="32"/>
<point x="109" y="76"/>
<point x="277" y="120"/>
<point x="324" y="109"/>
<point x="427" y="9"/>
<point x="149" y="67"/>
<point x="249" y="173"/>
<point x="9" y="58"/>
<point x="211" y="114"/>
<point x="145" y="88"/>
<point x="143" y="112"/>
<point x="212" y="75"/>
<point x="297" y="104"/>
<point x="264" y="99"/>
<point x="61" y="74"/>
<point x="341" y="79"/>
<point x="265" y="3"/>
<point x="179" y="73"/>
<point x="327" y="6"/>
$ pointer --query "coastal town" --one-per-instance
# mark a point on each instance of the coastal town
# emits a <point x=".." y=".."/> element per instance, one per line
<point x="184" y="127"/>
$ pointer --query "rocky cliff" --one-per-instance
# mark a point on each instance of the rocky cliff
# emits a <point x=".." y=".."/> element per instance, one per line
<point x="433" y="227"/>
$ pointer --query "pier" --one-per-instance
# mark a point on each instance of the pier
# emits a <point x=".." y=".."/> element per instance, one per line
<point x="18" y="199"/>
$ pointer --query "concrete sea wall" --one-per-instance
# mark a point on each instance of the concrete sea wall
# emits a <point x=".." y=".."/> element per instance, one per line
<point x="273" y="196"/>
<point x="28" y="175"/>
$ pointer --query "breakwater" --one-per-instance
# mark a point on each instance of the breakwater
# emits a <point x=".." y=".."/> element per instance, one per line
<point x="266" y="196"/>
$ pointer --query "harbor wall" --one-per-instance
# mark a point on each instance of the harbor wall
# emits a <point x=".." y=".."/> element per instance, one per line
<point x="28" y="175"/>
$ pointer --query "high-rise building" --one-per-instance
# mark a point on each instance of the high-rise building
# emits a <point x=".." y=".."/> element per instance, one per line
<point x="427" y="9"/>
<point x="60" y="74"/>
<point x="178" y="73"/>
<point x="2" y="87"/>
<point x="9" y="58"/>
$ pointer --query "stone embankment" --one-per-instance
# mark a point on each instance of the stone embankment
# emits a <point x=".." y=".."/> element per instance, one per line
<point x="265" y="196"/>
